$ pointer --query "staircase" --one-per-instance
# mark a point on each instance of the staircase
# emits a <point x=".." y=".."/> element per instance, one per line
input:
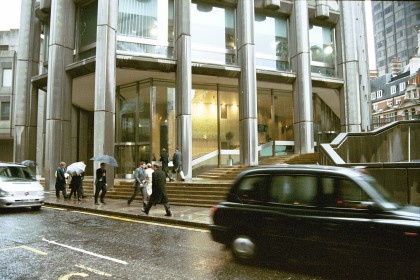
<point x="205" y="190"/>
<point x="199" y="193"/>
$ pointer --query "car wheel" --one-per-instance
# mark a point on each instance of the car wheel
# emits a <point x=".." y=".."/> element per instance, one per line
<point x="244" y="248"/>
<point x="36" y="208"/>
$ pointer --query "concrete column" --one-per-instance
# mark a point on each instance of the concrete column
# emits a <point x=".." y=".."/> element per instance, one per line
<point x="59" y="88"/>
<point x="362" y="47"/>
<point x="183" y="78"/>
<point x="104" y="115"/>
<point x="302" y="87"/>
<point x="350" y="93"/>
<point x="26" y="99"/>
<point x="247" y="85"/>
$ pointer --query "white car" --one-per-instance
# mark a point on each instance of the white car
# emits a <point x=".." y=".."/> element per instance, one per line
<point x="19" y="187"/>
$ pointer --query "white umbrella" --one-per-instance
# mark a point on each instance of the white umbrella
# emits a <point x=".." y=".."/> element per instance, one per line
<point x="76" y="167"/>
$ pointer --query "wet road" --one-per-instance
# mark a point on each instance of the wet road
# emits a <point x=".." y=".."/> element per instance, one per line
<point x="64" y="244"/>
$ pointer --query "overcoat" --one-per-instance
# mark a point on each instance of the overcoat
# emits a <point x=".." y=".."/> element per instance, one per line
<point x="158" y="188"/>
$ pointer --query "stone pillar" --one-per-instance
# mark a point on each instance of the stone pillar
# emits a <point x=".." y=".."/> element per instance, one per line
<point x="350" y="93"/>
<point x="59" y="88"/>
<point x="104" y="115"/>
<point x="247" y="85"/>
<point x="302" y="87"/>
<point x="362" y="48"/>
<point x="183" y="78"/>
<point x="26" y="99"/>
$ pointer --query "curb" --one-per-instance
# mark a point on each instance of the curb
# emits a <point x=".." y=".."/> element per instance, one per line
<point x="134" y="216"/>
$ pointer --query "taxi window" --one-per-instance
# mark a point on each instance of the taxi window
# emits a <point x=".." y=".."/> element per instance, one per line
<point x="253" y="188"/>
<point x="338" y="192"/>
<point x="296" y="190"/>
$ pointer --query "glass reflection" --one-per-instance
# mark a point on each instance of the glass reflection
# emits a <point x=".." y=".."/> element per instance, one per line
<point x="271" y="42"/>
<point x="322" y="50"/>
<point x="212" y="34"/>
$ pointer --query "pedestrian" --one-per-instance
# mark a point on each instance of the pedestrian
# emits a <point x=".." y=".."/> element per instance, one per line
<point x="82" y="178"/>
<point x="159" y="195"/>
<point x="76" y="181"/>
<point x="60" y="181"/>
<point x="100" y="183"/>
<point x="139" y="184"/>
<point x="177" y="160"/>
<point x="149" y="171"/>
<point x="164" y="159"/>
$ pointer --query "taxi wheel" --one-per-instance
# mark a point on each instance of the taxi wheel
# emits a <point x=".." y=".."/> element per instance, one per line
<point x="244" y="248"/>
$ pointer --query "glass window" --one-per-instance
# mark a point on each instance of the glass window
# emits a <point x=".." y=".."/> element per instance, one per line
<point x="229" y="119"/>
<point x="127" y="113"/>
<point x="343" y="193"/>
<point x="253" y="188"/>
<point x="204" y="120"/>
<point x="283" y="116"/>
<point x="322" y="50"/>
<point x="86" y="30"/>
<point x="271" y="42"/>
<point x="7" y="77"/>
<point x="296" y="190"/>
<point x="402" y="86"/>
<point x="146" y="27"/>
<point x="393" y="89"/>
<point x="5" y="111"/>
<point x="379" y="94"/>
<point x="213" y="34"/>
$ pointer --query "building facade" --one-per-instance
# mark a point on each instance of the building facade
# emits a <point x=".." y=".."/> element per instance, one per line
<point x="225" y="81"/>
<point x="395" y="96"/>
<point x="395" y="25"/>
<point x="9" y="41"/>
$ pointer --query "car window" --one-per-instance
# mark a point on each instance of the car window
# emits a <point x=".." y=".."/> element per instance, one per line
<point x="339" y="192"/>
<point x="16" y="172"/>
<point x="252" y="188"/>
<point x="296" y="190"/>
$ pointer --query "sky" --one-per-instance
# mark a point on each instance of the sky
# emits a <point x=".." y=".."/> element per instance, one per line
<point x="9" y="14"/>
<point x="10" y="19"/>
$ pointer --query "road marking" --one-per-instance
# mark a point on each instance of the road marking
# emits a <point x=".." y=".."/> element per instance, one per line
<point x="56" y="208"/>
<point x="26" y="248"/>
<point x="67" y="276"/>
<point x="93" y="270"/>
<point x="142" y="222"/>
<point x="85" y="252"/>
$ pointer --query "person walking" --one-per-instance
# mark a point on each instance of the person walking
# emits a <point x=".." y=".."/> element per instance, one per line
<point x="60" y="181"/>
<point x="139" y="184"/>
<point x="159" y="195"/>
<point x="177" y="160"/>
<point x="76" y="181"/>
<point x="149" y="171"/>
<point x="164" y="159"/>
<point x="100" y="183"/>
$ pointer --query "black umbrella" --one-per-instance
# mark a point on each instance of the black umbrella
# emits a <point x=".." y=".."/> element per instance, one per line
<point x="28" y="162"/>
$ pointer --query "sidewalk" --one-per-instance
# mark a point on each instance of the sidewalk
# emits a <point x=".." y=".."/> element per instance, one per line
<point x="181" y="215"/>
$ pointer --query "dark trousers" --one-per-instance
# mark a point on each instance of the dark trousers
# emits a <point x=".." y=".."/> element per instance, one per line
<point x="166" y="170"/>
<point x="62" y="189"/>
<point x="136" y="190"/>
<point x="100" y="188"/>
<point x="75" y="190"/>
<point x="153" y="201"/>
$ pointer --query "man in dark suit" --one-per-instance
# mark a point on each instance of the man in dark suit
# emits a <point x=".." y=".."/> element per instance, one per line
<point x="177" y="160"/>
<point x="100" y="183"/>
<point x="60" y="181"/>
<point x="164" y="158"/>
<point x="159" y="195"/>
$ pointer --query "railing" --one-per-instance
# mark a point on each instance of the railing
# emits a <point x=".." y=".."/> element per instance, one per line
<point x="379" y="122"/>
<point x="389" y="154"/>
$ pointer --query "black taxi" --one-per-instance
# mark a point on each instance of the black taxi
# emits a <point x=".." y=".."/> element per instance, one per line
<point x="284" y="206"/>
